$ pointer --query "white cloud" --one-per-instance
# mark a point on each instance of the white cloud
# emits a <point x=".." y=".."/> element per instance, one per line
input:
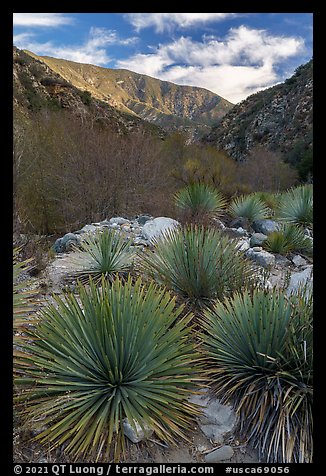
<point x="41" y="19"/>
<point x="167" y="21"/>
<point x="92" y="51"/>
<point x="240" y="64"/>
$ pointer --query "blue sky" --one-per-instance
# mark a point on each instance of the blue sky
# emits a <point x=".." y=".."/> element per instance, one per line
<point x="231" y="54"/>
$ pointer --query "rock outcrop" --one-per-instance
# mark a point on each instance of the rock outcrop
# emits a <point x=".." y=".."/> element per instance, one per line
<point x="278" y="119"/>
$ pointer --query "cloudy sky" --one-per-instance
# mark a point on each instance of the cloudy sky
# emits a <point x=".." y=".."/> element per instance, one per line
<point x="231" y="54"/>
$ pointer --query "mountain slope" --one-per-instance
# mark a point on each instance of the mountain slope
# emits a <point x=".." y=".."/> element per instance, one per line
<point x="278" y="118"/>
<point x="36" y="86"/>
<point x="159" y="102"/>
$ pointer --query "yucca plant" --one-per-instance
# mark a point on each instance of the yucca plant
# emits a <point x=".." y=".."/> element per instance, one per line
<point x="115" y="352"/>
<point x="199" y="201"/>
<point x="23" y="303"/>
<point x="296" y="206"/>
<point x="105" y="253"/>
<point x="199" y="264"/>
<point x="271" y="200"/>
<point x="288" y="239"/>
<point x="259" y="359"/>
<point x="250" y="207"/>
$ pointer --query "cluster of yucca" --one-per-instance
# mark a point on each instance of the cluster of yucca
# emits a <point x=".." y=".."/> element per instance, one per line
<point x="123" y="350"/>
<point x="294" y="206"/>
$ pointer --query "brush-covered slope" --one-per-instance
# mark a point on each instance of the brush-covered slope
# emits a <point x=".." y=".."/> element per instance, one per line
<point x="159" y="102"/>
<point x="36" y="86"/>
<point x="278" y="118"/>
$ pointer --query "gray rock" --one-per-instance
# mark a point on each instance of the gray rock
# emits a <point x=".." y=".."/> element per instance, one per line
<point x="156" y="227"/>
<point x="216" y="419"/>
<point x="68" y="240"/>
<point x="265" y="226"/>
<point x="240" y="222"/>
<point x="119" y="220"/>
<point x="282" y="261"/>
<point x="65" y="243"/>
<point x="257" y="239"/>
<point x="221" y="454"/>
<point x="299" y="261"/>
<point x="238" y="231"/>
<point x="300" y="278"/>
<point x="138" y="241"/>
<point x="87" y="229"/>
<point x="243" y="245"/>
<point x="104" y="223"/>
<point x="263" y="258"/>
<point x="138" y="434"/>
<point x="257" y="248"/>
<point x="57" y="246"/>
<point x="142" y="219"/>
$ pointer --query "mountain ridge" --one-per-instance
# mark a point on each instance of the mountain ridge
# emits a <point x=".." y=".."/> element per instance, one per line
<point x="36" y="86"/>
<point x="163" y="103"/>
<point x="278" y="118"/>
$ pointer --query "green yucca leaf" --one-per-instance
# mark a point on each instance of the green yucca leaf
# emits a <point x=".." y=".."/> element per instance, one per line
<point x="200" y="199"/>
<point x="271" y="200"/>
<point x="23" y="303"/>
<point x="296" y="206"/>
<point x="259" y="359"/>
<point x="114" y="352"/>
<point x="288" y="239"/>
<point x="199" y="264"/>
<point x="105" y="253"/>
<point x="250" y="207"/>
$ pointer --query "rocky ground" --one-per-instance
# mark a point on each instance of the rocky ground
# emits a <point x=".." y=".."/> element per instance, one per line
<point x="213" y="440"/>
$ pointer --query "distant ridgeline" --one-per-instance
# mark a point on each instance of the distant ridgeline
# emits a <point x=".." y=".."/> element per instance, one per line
<point x="189" y="109"/>
<point x="37" y="87"/>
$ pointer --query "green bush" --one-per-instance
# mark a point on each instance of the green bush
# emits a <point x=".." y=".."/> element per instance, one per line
<point x="296" y="206"/>
<point x="117" y="352"/>
<point x="259" y="359"/>
<point x="105" y="254"/>
<point x="250" y="206"/>
<point x="198" y="201"/>
<point x="199" y="264"/>
<point x="289" y="239"/>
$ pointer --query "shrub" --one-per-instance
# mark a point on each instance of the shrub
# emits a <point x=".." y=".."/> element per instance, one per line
<point x="86" y="97"/>
<point x="290" y="238"/>
<point x="117" y="352"/>
<point x="198" y="264"/>
<point x="296" y="206"/>
<point x="259" y="359"/>
<point x="103" y="254"/>
<point x="199" y="201"/>
<point x="250" y="206"/>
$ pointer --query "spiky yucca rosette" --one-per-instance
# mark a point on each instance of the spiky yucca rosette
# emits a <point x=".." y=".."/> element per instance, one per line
<point x="259" y="359"/>
<point x="123" y="351"/>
